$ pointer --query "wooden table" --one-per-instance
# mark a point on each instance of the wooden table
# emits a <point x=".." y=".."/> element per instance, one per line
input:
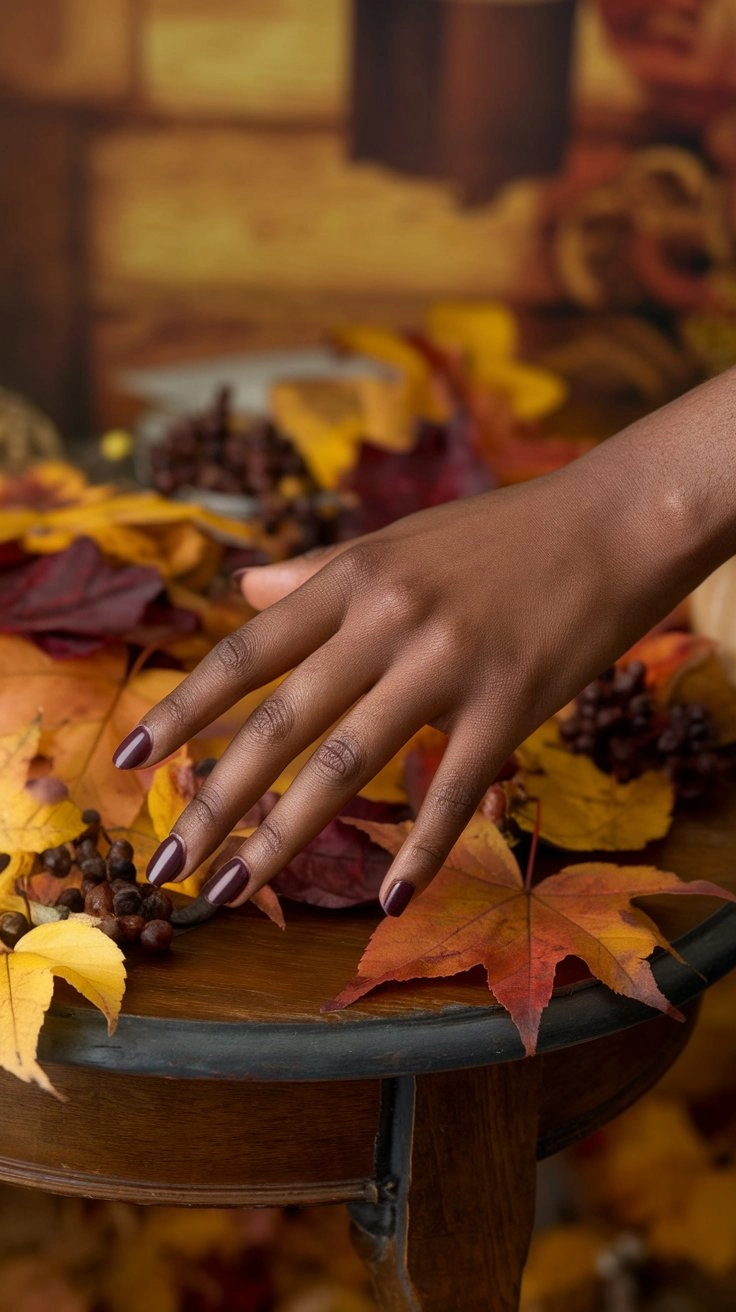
<point x="225" y="1085"/>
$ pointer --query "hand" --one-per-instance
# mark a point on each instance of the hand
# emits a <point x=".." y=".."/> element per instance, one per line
<point x="482" y="617"/>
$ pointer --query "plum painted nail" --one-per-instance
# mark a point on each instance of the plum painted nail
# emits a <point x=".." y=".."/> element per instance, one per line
<point x="167" y="861"/>
<point x="398" y="897"/>
<point x="226" y="882"/>
<point x="134" y="749"/>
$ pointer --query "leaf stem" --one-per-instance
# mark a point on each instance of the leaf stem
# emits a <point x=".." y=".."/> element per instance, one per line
<point x="533" y="848"/>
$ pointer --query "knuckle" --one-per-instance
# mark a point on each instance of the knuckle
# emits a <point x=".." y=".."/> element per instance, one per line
<point x="236" y="654"/>
<point x="353" y="570"/>
<point x="400" y="602"/>
<point x="426" y="857"/>
<point x="207" y="809"/>
<point x="177" y="707"/>
<point x="270" y="834"/>
<point x="273" y="720"/>
<point x="453" y="800"/>
<point x="340" y="759"/>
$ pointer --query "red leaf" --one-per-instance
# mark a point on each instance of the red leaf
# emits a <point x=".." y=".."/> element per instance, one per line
<point x="341" y="867"/>
<point x="74" y="601"/>
<point x="443" y="466"/>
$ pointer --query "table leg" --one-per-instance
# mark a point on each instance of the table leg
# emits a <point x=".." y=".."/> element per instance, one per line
<point x="451" y="1225"/>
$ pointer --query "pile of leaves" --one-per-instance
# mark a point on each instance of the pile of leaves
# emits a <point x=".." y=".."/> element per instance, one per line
<point x="109" y="598"/>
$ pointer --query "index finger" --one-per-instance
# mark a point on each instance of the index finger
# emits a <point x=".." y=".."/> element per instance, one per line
<point x="264" y="648"/>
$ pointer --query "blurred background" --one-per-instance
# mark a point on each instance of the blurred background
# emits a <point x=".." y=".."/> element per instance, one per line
<point x="182" y="178"/>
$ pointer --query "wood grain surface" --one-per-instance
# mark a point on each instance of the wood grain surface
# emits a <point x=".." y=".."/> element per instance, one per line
<point x="240" y="967"/>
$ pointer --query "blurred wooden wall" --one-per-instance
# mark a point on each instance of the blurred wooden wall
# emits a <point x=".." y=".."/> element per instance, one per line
<point x="174" y="182"/>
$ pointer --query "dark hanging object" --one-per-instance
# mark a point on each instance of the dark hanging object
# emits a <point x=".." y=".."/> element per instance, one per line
<point x="474" y="92"/>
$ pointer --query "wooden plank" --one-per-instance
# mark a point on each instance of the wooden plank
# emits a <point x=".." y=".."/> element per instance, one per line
<point x="278" y="59"/>
<point x="199" y="1142"/>
<point x="41" y="327"/>
<point x="70" y="50"/>
<point x="288" y="212"/>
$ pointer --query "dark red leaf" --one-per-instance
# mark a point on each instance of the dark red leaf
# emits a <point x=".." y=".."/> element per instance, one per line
<point x="441" y="467"/>
<point x="73" y="601"/>
<point x="339" y="868"/>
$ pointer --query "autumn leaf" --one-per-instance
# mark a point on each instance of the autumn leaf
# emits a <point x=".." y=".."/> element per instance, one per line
<point x="487" y="336"/>
<point x="581" y="808"/>
<point x="387" y="485"/>
<point x="685" y="667"/>
<point x="27" y="823"/>
<point x="653" y="1169"/>
<point x="667" y="656"/>
<point x="76" y="594"/>
<point x="478" y="911"/>
<point x="88" y="706"/>
<point x="52" y="505"/>
<point x="78" y="953"/>
<point x="341" y="867"/>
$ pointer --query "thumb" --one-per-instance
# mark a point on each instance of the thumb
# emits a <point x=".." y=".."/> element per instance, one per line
<point x="264" y="584"/>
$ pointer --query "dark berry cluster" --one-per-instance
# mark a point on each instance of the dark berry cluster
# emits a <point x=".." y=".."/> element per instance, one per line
<point x="128" y="912"/>
<point x="617" y="723"/>
<point x="216" y="451"/>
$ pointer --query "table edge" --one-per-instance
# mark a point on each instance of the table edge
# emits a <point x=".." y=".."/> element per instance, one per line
<point x="339" y="1048"/>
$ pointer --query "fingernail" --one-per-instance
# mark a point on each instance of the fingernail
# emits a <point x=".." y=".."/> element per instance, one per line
<point x="135" y="749"/>
<point x="398" y="897"/>
<point x="167" y="861"/>
<point x="227" y="882"/>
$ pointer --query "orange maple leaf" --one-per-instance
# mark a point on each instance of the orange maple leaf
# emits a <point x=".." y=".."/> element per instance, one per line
<point x="479" y="911"/>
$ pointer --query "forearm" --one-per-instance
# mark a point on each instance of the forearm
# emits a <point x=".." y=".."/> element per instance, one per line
<point x="666" y="487"/>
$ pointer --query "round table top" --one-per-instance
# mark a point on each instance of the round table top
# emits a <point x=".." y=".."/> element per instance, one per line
<point x="240" y="999"/>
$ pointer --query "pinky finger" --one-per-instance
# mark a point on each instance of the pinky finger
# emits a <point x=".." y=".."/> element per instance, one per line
<point x="455" y="794"/>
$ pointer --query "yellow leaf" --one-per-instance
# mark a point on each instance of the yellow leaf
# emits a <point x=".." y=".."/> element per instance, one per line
<point x="26" y="986"/>
<point x="487" y="336"/>
<point x="699" y="1227"/>
<point x="172" y="789"/>
<point x="30" y="826"/>
<point x="482" y="330"/>
<point x="324" y="421"/>
<point x="88" y="705"/>
<point x="583" y="809"/>
<point x="52" y="505"/>
<point x="708" y="684"/>
<point x="19" y="867"/>
<point x="561" y="1260"/>
<point x="27" y="824"/>
<point x="85" y="958"/>
<point x="421" y="395"/>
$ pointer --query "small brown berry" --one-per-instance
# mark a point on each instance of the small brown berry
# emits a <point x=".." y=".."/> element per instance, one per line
<point x="127" y="901"/>
<point x="57" y="861"/>
<point x="120" y="850"/>
<point x="93" y="867"/>
<point x="157" y="936"/>
<point x="110" y="925"/>
<point x="147" y="890"/>
<point x="71" y="898"/>
<point x="157" y="906"/>
<point x="119" y="869"/>
<point x="91" y="816"/>
<point x="13" y="925"/>
<point x="131" y="927"/>
<point x="98" y="901"/>
<point x="85" y="847"/>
